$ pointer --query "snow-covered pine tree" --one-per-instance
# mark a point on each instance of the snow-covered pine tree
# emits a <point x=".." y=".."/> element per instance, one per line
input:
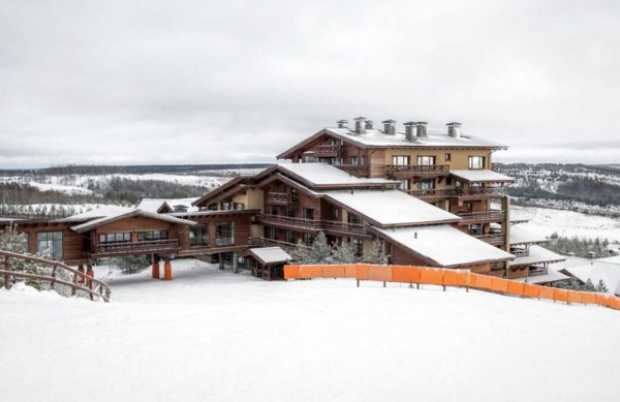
<point x="589" y="286"/>
<point x="301" y="254"/>
<point x="11" y="240"/>
<point x="601" y="287"/>
<point x="344" y="253"/>
<point x="321" y="251"/>
<point x="375" y="254"/>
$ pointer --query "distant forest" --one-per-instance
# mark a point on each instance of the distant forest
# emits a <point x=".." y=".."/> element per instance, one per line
<point x="131" y="169"/>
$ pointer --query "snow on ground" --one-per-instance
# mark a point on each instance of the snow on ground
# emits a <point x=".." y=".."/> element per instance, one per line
<point x="546" y="221"/>
<point x="213" y="335"/>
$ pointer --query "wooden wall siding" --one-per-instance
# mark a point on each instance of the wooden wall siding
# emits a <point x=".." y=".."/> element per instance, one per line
<point x="305" y="200"/>
<point x="402" y="256"/>
<point x="135" y="224"/>
<point x="74" y="244"/>
<point x="459" y="158"/>
<point x="376" y="159"/>
<point x="242" y="224"/>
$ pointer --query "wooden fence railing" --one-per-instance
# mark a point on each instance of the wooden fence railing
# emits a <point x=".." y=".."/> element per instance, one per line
<point x="80" y="281"/>
<point x="447" y="277"/>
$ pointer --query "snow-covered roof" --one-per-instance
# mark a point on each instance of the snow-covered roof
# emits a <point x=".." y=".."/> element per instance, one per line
<point x="519" y="235"/>
<point x="537" y="255"/>
<point x="155" y="204"/>
<point x="270" y="255"/>
<point x="375" y="138"/>
<point x="480" y="175"/>
<point x="84" y="227"/>
<point x="605" y="269"/>
<point x="550" y="276"/>
<point x="101" y="212"/>
<point x="446" y="245"/>
<point x="324" y="175"/>
<point x="390" y="207"/>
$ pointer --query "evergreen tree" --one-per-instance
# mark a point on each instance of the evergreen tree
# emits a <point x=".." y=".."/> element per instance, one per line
<point x="601" y="287"/>
<point x="589" y="286"/>
<point x="344" y="253"/>
<point x="321" y="251"/>
<point x="375" y="254"/>
<point x="301" y="254"/>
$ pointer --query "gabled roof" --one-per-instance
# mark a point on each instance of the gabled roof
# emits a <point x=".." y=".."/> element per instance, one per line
<point x="216" y="192"/>
<point x="445" y="245"/>
<point x="390" y="207"/>
<point x="537" y="255"/>
<point x="550" y="276"/>
<point x="270" y="255"/>
<point x="376" y="138"/>
<point x="481" y="176"/>
<point x="100" y="212"/>
<point x="323" y="176"/>
<point x="85" y="227"/>
<point x="605" y="269"/>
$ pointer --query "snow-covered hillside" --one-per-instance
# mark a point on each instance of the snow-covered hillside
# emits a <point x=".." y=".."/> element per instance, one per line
<point x="215" y="336"/>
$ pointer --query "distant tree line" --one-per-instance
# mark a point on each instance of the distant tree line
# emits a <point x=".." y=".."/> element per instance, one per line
<point x="579" y="247"/>
<point x="130" y="169"/>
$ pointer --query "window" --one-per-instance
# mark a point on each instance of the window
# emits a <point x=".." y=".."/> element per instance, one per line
<point x="118" y="237"/>
<point x="150" y="235"/>
<point x="310" y="159"/>
<point x="476" y="162"/>
<point x="308" y="213"/>
<point x="422" y="160"/>
<point x="447" y="157"/>
<point x="224" y="234"/>
<point x="475" y="229"/>
<point x="400" y="160"/>
<point x="270" y="232"/>
<point x="355" y="161"/>
<point x="49" y="244"/>
<point x="225" y="206"/>
<point x="199" y="235"/>
<point x="426" y="185"/>
<point x="308" y="238"/>
<point x="354" y="219"/>
<point x="290" y="236"/>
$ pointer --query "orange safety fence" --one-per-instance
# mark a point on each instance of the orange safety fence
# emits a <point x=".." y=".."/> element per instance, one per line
<point x="448" y="277"/>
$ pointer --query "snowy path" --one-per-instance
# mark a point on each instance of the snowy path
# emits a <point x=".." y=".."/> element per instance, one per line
<point x="215" y="336"/>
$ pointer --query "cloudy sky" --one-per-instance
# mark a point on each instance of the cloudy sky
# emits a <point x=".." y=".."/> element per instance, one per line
<point x="216" y="81"/>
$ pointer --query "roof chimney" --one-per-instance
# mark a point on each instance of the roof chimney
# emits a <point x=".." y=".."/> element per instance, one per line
<point x="359" y="125"/>
<point x="420" y="128"/>
<point x="342" y="123"/>
<point x="368" y="125"/>
<point x="454" y="129"/>
<point x="389" y="127"/>
<point x="409" y="135"/>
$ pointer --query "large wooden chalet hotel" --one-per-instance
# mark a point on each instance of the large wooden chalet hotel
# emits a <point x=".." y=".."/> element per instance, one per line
<point x="430" y="197"/>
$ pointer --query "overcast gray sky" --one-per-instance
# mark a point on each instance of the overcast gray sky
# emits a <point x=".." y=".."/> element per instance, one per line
<point x="217" y="81"/>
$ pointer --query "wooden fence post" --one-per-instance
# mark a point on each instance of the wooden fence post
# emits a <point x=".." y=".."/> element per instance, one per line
<point x="7" y="275"/>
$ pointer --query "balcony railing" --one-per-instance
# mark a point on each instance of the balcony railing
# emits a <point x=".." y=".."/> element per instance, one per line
<point x="433" y="193"/>
<point x="275" y="198"/>
<point x="136" y="247"/>
<point x="326" y="149"/>
<point x="313" y="224"/>
<point x="224" y="241"/>
<point x="464" y="192"/>
<point x="411" y="170"/>
<point x="355" y="170"/>
<point x="493" y="239"/>
<point x="263" y="242"/>
<point x="488" y="216"/>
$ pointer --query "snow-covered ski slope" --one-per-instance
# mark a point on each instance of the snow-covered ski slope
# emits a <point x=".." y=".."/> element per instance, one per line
<point x="216" y="336"/>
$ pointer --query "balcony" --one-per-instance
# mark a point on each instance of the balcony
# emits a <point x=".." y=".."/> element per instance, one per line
<point x="275" y="198"/>
<point x="467" y="193"/>
<point x="224" y="241"/>
<point x="265" y="242"/>
<point x="481" y="217"/>
<point x="140" y="247"/>
<point x="313" y="225"/>
<point x="493" y="239"/>
<point x="407" y="171"/>
<point x="433" y="194"/>
<point x="326" y="150"/>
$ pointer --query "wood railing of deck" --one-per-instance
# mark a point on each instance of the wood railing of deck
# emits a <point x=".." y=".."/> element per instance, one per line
<point x="96" y="289"/>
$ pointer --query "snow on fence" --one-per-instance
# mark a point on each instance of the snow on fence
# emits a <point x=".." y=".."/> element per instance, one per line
<point x="54" y="274"/>
<point x="447" y="277"/>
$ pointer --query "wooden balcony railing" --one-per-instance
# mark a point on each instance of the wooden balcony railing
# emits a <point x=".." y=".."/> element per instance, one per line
<point x="275" y="198"/>
<point x="493" y="239"/>
<point x="433" y="193"/>
<point x="425" y="170"/>
<point x="265" y="242"/>
<point x="355" y="170"/>
<point x="224" y="241"/>
<point x="313" y="224"/>
<point x="454" y="192"/>
<point x="326" y="149"/>
<point x="478" y="217"/>
<point x="136" y="247"/>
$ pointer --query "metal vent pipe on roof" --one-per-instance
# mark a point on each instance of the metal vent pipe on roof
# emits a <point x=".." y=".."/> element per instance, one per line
<point x="359" y="125"/>
<point x="454" y="129"/>
<point x="420" y="129"/>
<point x="368" y="125"/>
<point x="389" y="127"/>
<point x="409" y="135"/>
<point x="342" y="123"/>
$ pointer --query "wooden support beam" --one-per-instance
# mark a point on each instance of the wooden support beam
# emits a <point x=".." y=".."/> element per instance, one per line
<point x="7" y="276"/>
<point x="168" y="270"/>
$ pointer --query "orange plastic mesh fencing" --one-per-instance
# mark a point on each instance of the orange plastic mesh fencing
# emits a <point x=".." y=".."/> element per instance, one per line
<point x="480" y="281"/>
<point x="431" y="276"/>
<point x="516" y="288"/>
<point x="350" y="271"/>
<point x="333" y="271"/>
<point x="455" y="278"/>
<point x="499" y="285"/>
<point x="380" y="273"/>
<point x="361" y="271"/>
<point x="546" y="293"/>
<point x="310" y="271"/>
<point x="291" y="271"/>
<point x="588" y="297"/>
<point x="574" y="297"/>
<point x="601" y="299"/>
<point x="560" y="295"/>
<point x="405" y="274"/>
<point x="613" y="302"/>
<point x="531" y="290"/>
